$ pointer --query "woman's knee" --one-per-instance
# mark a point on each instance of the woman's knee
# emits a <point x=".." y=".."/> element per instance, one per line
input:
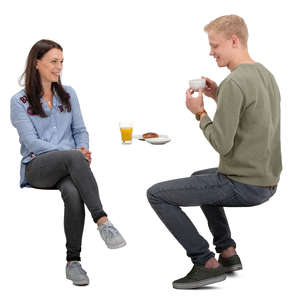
<point x="74" y="156"/>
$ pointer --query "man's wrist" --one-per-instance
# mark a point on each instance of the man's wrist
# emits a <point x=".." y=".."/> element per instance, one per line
<point x="199" y="114"/>
<point x="202" y="115"/>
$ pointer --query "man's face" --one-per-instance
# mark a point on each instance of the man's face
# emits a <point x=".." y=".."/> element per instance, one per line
<point x="221" y="48"/>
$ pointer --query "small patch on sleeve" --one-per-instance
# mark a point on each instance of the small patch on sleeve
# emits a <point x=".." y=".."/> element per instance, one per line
<point x="23" y="99"/>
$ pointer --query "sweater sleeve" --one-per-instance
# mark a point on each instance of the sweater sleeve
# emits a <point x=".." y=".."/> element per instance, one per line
<point x="222" y="130"/>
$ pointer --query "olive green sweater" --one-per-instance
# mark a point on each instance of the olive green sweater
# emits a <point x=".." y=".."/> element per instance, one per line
<point x="246" y="126"/>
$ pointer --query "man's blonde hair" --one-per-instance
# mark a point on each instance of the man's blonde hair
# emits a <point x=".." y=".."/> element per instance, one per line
<point x="229" y="25"/>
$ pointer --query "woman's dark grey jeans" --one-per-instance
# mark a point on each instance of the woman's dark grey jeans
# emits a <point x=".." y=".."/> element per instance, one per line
<point x="69" y="172"/>
<point x="210" y="190"/>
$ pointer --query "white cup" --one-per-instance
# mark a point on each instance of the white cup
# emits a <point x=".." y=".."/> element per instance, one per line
<point x="196" y="84"/>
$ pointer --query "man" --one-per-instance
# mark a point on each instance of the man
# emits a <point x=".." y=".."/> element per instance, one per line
<point x="245" y="132"/>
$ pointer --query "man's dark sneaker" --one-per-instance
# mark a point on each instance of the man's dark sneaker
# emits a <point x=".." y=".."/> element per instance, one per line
<point x="230" y="264"/>
<point x="200" y="276"/>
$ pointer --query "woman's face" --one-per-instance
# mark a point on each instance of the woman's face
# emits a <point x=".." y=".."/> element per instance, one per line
<point x="50" y="65"/>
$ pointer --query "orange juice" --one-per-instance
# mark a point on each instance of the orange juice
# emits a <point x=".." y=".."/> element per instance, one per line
<point x="126" y="134"/>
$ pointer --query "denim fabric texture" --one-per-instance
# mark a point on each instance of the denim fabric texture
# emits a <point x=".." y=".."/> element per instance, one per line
<point x="212" y="191"/>
<point x="69" y="172"/>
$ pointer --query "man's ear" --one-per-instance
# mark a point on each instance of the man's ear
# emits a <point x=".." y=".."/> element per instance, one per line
<point x="235" y="41"/>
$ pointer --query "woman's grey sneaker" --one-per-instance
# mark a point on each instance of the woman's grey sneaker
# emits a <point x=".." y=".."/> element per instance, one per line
<point x="76" y="273"/>
<point x="200" y="276"/>
<point x="111" y="236"/>
<point x="230" y="264"/>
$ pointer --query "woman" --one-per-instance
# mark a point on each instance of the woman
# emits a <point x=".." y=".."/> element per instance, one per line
<point x="54" y="146"/>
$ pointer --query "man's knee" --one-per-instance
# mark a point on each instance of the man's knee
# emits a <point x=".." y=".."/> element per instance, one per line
<point x="152" y="193"/>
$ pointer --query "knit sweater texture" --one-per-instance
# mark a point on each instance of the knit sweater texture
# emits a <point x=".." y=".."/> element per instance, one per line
<point x="245" y="130"/>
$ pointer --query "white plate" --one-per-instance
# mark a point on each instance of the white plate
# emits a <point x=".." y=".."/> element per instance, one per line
<point x="139" y="136"/>
<point x="158" y="141"/>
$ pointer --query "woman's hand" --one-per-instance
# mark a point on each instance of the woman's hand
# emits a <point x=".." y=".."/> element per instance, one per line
<point x="86" y="153"/>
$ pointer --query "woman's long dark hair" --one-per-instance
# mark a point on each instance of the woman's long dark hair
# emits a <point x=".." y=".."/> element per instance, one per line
<point x="33" y="86"/>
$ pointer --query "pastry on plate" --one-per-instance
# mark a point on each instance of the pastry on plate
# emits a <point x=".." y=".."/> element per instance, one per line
<point x="149" y="135"/>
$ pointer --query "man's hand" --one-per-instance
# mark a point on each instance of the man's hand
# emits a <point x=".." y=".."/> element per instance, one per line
<point x="194" y="104"/>
<point x="211" y="88"/>
<point x="86" y="153"/>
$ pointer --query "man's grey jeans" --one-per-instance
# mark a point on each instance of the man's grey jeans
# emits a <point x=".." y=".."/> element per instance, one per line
<point x="210" y="190"/>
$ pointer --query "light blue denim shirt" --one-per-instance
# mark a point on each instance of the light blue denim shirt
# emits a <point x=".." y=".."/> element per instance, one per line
<point x="61" y="130"/>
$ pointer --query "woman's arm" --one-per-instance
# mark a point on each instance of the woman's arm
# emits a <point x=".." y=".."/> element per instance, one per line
<point x="26" y="130"/>
<point x="78" y="128"/>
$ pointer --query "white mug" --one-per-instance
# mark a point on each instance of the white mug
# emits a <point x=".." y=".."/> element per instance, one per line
<point x="196" y="84"/>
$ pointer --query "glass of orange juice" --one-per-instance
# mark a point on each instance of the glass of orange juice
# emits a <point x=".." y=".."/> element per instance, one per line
<point x="126" y="129"/>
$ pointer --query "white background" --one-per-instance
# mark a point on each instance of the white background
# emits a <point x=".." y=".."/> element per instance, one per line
<point x="132" y="60"/>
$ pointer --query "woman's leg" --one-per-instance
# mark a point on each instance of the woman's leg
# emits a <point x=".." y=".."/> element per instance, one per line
<point x="74" y="216"/>
<point x="47" y="169"/>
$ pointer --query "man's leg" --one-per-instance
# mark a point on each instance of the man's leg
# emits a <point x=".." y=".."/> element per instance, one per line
<point x="219" y="227"/>
<point x="217" y="220"/>
<point x="167" y="197"/>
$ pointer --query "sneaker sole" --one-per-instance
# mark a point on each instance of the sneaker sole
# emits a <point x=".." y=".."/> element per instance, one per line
<point x="117" y="246"/>
<point x="233" y="268"/>
<point x="198" y="284"/>
<point x="79" y="283"/>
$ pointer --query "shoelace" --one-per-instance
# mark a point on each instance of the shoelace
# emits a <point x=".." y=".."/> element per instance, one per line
<point x="110" y="230"/>
<point x="77" y="266"/>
